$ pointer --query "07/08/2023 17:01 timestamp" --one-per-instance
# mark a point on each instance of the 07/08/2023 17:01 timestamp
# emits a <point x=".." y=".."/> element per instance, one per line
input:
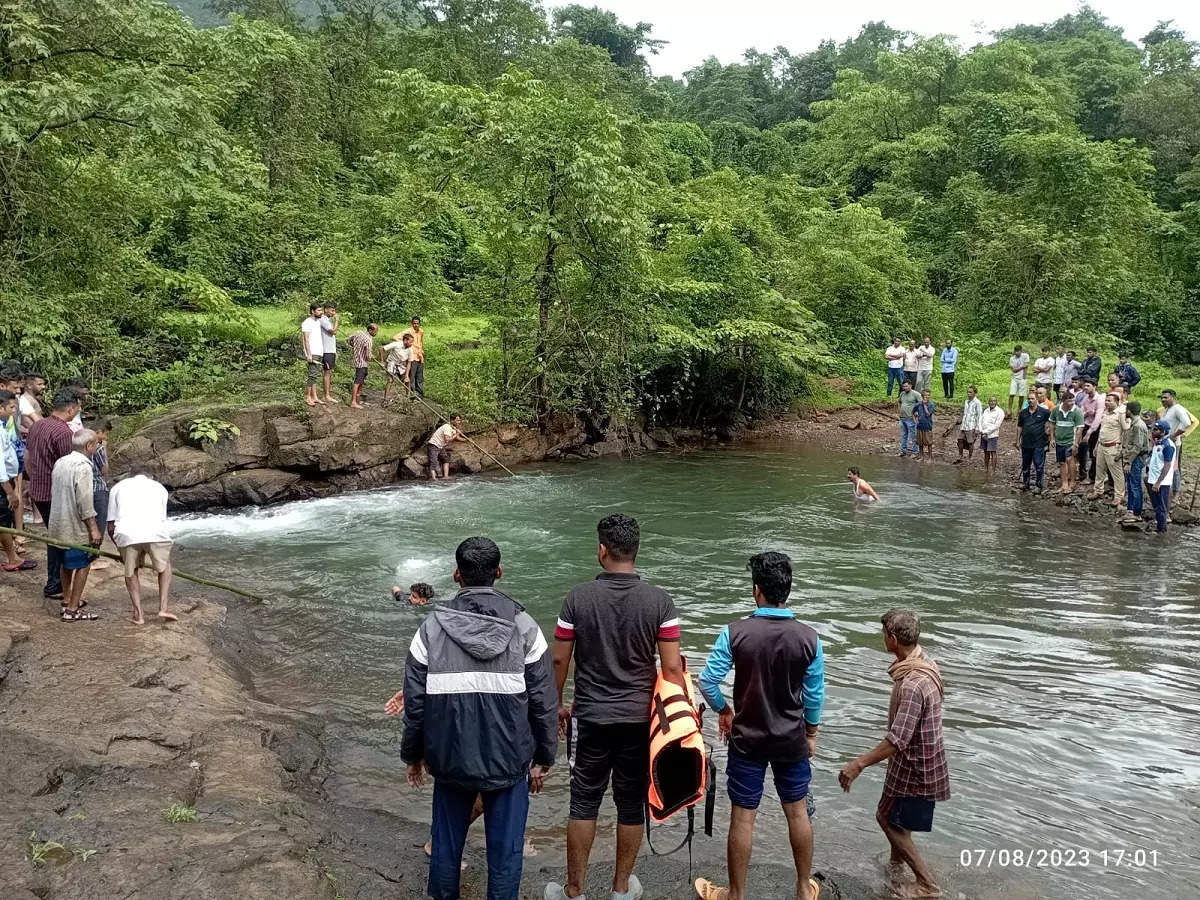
<point x="1058" y="858"/>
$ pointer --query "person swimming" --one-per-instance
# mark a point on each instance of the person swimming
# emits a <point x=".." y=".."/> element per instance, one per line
<point x="862" y="490"/>
<point x="419" y="594"/>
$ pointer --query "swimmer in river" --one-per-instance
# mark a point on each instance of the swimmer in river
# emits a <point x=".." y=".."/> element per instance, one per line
<point x="862" y="490"/>
<point x="419" y="594"/>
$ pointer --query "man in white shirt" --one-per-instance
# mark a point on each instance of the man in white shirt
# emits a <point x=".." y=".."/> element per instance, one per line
<point x="1018" y="387"/>
<point x="137" y="522"/>
<point x="439" y="452"/>
<point x="1043" y="370"/>
<point x="312" y="343"/>
<point x="989" y="431"/>
<point x="29" y="404"/>
<point x="925" y="354"/>
<point x="331" y="321"/>
<point x="399" y="362"/>
<point x="1061" y="381"/>
<point x="911" y="360"/>
<point x="895" y="365"/>
<point x="972" y="418"/>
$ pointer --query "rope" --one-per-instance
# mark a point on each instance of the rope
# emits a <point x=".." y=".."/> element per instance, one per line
<point x="441" y="417"/>
<point x="95" y="551"/>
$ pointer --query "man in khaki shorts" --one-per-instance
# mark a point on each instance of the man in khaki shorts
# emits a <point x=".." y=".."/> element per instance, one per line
<point x="137" y="521"/>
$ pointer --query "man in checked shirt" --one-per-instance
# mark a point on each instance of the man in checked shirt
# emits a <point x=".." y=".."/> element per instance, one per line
<point x="917" y="774"/>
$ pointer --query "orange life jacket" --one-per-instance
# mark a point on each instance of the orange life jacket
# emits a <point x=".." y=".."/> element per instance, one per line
<point x="678" y="770"/>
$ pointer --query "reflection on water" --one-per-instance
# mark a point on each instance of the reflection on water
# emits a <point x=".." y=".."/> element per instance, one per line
<point x="1070" y="649"/>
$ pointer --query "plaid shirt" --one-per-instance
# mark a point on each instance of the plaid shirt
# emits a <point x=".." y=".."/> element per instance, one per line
<point x="919" y="767"/>
<point x="49" y="441"/>
<point x="361" y="345"/>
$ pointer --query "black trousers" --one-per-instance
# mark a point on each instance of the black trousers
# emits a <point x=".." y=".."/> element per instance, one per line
<point x="54" y="555"/>
<point x="416" y="374"/>
<point x="948" y="385"/>
<point x="1087" y="456"/>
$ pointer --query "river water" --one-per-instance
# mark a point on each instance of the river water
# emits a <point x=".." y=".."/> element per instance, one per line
<point x="1070" y="650"/>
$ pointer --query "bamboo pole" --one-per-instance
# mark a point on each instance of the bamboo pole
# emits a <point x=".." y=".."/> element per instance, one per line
<point x="95" y="551"/>
<point x="442" y="418"/>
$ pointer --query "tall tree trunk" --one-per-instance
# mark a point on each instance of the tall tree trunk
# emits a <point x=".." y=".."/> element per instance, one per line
<point x="544" y="292"/>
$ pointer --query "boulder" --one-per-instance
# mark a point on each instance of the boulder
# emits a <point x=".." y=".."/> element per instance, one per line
<point x="662" y="436"/>
<point x="609" y="448"/>
<point x="186" y="466"/>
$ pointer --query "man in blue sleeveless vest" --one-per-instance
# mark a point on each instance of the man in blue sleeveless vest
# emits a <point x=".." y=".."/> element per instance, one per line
<point x="778" y="691"/>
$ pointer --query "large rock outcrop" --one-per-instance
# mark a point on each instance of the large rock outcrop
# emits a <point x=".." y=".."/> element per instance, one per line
<point x="282" y="453"/>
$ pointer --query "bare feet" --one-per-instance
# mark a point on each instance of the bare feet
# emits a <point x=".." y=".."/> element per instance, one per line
<point x="329" y="399"/>
<point x="916" y="891"/>
<point x="310" y="402"/>
<point x="896" y="872"/>
<point x="356" y="406"/>
<point x="319" y="402"/>
<point x="138" y="620"/>
<point x="168" y="617"/>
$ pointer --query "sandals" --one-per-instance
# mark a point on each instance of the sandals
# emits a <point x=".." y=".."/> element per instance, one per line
<point x="23" y="566"/>
<point x="78" y="615"/>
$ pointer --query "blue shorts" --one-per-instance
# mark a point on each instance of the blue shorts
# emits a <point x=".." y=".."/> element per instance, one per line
<point x="1062" y="452"/>
<point x="744" y="779"/>
<point x="76" y="559"/>
<point x="908" y="813"/>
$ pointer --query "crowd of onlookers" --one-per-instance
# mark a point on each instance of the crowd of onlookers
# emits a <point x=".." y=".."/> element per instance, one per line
<point x="402" y="359"/>
<point x="1100" y="435"/>
<point x="54" y="467"/>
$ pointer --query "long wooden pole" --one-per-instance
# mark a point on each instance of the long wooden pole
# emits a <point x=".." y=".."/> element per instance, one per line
<point x="442" y="418"/>
<point x="95" y="551"/>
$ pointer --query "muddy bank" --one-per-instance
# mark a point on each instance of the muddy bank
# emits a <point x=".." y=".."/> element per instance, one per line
<point x="873" y="430"/>
<point x="105" y="726"/>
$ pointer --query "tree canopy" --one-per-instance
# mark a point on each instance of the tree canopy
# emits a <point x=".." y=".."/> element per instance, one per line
<point x="689" y="249"/>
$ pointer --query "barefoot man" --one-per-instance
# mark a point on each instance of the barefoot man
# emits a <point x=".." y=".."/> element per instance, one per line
<point x="137" y="521"/>
<point x="917" y="774"/>
<point x="312" y="343"/>
<point x="438" y="447"/>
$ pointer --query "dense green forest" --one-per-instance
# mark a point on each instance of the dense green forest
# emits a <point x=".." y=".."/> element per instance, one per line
<point x="689" y="249"/>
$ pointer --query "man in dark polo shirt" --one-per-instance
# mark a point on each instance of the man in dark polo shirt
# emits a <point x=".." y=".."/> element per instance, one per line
<point x="613" y="627"/>
<point x="49" y="441"/>
<point x="778" y="691"/>
<point x="917" y="774"/>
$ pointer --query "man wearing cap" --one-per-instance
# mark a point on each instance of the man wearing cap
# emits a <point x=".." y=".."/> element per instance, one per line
<point x="1163" y="462"/>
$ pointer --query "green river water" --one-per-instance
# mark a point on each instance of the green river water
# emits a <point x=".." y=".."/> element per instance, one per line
<point x="1070" y="649"/>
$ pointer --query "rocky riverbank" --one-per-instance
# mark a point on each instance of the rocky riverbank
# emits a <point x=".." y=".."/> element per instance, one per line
<point x="274" y="452"/>
<point x="140" y="763"/>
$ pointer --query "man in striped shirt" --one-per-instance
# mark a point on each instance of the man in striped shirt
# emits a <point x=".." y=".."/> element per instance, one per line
<point x="49" y="441"/>
<point x="362" y="349"/>
<point x="613" y="627"/>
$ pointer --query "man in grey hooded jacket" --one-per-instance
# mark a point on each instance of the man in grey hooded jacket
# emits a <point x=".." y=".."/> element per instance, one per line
<point x="481" y="716"/>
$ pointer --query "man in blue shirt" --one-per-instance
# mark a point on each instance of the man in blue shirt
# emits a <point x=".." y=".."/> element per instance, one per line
<point x="949" y="365"/>
<point x="778" y="692"/>
<point x="1127" y="373"/>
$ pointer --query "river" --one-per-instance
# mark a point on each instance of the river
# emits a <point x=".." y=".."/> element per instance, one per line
<point x="1070" y="650"/>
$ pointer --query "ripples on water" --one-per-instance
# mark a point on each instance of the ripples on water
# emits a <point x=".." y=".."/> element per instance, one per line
<point x="1070" y="649"/>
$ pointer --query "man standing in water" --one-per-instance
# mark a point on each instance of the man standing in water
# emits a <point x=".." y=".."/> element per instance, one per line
<point x="862" y="490"/>
<point x="438" y="449"/>
<point x="612" y="626"/>
<point x="989" y="432"/>
<point x="909" y="398"/>
<point x="778" y="691"/>
<point x="479" y="714"/>
<point x="918" y="777"/>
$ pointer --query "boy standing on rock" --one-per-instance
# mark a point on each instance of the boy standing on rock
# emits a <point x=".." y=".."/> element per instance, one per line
<point x="399" y="362"/>
<point x="313" y="345"/>
<point x="918" y="777"/>
<point x="362" y="350"/>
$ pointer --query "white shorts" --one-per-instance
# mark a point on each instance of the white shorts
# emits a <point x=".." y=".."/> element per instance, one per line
<point x="1018" y="388"/>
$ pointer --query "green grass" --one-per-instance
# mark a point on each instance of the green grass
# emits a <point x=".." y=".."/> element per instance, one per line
<point x="179" y="814"/>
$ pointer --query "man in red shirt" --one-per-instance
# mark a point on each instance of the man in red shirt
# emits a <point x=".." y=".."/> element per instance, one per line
<point x="49" y="441"/>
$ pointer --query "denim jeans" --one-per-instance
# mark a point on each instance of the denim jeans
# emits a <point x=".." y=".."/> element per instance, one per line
<point x="1133" y="486"/>
<point x="896" y="377"/>
<point x="504" y="815"/>
<point x="908" y="435"/>
<point x="1161" y="500"/>
<point x="1035" y="456"/>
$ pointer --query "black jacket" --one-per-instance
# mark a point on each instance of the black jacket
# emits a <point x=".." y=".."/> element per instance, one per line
<point x="480" y="701"/>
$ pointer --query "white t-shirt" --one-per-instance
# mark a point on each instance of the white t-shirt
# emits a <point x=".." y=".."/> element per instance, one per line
<point x="397" y="353"/>
<point x="925" y="358"/>
<point x="895" y="357"/>
<point x="1020" y="363"/>
<point x="137" y="507"/>
<point x="328" y="338"/>
<point x="1044" y="367"/>
<point x="27" y="406"/>
<point x="314" y="345"/>
<point x="443" y="434"/>
<point x="990" y="421"/>
<point x="911" y="357"/>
